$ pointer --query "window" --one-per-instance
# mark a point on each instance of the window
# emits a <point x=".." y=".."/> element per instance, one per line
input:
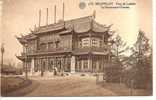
<point x="94" y="64"/>
<point x="100" y="65"/>
<point x="80" y="44"/>
<point x="36" y="65"/>
<point x="78" y="66"/>
<point x="85" y="62"/>
<point x="57" y="44"/>
<point x="85" y="42"/>
<point x="42" y="46"/>
<point x="95" y="42"/>
<point x="50" y="45"/>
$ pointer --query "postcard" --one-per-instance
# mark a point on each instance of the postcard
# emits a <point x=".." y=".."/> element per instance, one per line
<point x="76" y="48"/>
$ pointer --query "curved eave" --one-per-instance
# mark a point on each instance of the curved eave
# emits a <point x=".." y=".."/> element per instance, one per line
<point x="94" y="31"/>
<point x="22" y="40"/>
<point x="42" y="31"/>
<point x="22" y="58"/>
<point x="68" y="31"/>
<point x="101" y="29"/>
<point x="32" y="38"/>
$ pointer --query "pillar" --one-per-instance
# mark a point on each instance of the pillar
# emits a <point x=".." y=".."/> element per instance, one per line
<point x="105" y="62"/>
<point x="82" y="65"/>
<point x="73" y="63"/>
<point x="62" y="64"/>
<point x="90" y="64"/>
<point x="97" y="65"/>
<point x="24" y="67"/>
<point x="32" y="66"/>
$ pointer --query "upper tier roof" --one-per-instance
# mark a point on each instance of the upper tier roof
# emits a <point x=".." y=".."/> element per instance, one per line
<point x="79" y="25"/>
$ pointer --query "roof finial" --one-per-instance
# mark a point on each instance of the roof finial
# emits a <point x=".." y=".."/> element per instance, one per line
<point x="63" y="12"/>
<point x="35" y="28"/>
<point x="73" y="28"/>
<point x="55" y="14"/>
<point x="47" y="17"/>
<point x="30" y="30"/>
<point x="94" y="14"/>
<point x="39" y="23"/>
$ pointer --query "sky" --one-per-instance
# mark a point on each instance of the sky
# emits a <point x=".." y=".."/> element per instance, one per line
<point x="19" y="16"/>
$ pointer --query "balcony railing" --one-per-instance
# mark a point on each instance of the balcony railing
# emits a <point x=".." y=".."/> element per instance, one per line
<point x="46" y="50"/>
<point x="97" y="49"/>
<point x="61" y="49"/>
<point x="23" y="54"/>
<point x="28" y="53"/>
<point x="53" y="50"/>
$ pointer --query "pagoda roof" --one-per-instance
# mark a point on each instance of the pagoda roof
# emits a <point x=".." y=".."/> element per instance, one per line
<point x="24" y="39"/>
<point x="30" y="36"/>
<point x="79" y="25"/>
<point x="23" y="58"/>
<point x="49" y="28"/>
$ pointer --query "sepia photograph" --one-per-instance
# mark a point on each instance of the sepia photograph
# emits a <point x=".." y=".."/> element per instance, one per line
<point x="76" y="48"/>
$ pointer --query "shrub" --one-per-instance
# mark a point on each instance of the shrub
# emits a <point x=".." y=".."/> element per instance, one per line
<point x="113" y="72"/>
<point x="82" y="74"/>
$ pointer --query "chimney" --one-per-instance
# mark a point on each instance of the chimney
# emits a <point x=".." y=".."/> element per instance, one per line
<point x="47" y="17"/>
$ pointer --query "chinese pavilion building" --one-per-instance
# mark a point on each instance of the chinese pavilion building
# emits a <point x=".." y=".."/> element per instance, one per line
<point x="77" y="45"/>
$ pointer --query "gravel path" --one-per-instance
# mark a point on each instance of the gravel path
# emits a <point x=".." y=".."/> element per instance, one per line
<point x="69" y="86"/>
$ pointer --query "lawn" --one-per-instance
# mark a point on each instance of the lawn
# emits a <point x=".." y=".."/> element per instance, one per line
<point x="72" y="85"/>
<point x="122" y="90"/>
<point x="76" y="85"/>
<point x="12" y="83"/>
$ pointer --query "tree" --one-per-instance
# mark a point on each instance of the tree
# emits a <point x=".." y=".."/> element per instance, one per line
<point x="114" y="71"/>
<point x="141" y="59"/>
<point x="119" y="48"/>
<point x="2" y="54"/>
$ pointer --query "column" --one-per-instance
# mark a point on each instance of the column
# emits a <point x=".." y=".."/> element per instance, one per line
<point x="62" y="64"/>
<point x="97" y="65"/>
<point x="24" y="66"/>
<point x="90" y="63"/>
<point x="32" y="66"/>
<point x="65" y="64"/>
<point x="104" y="64"/>
<point x="46" y="67"/>
<point x="82" y="65"/>
<point x="73" y="62"/>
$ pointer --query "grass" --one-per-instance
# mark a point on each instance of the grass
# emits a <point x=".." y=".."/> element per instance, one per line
<point x="76" y="85"/>
<point x="10" y="84"/>
<point x="123" y="90"/>
<point x="72" y="85"/>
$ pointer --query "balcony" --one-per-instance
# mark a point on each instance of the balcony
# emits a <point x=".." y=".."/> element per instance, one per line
<point x="82" y="50"/>
<point x="53" y="50"/>
<point x="46" y="51"/>
<point x="91" y="49"/>
<point x="23" y="53"/>
<point x="28" y="52"/>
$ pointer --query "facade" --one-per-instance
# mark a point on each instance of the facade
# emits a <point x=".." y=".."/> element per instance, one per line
<point x="77" y="45"/>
